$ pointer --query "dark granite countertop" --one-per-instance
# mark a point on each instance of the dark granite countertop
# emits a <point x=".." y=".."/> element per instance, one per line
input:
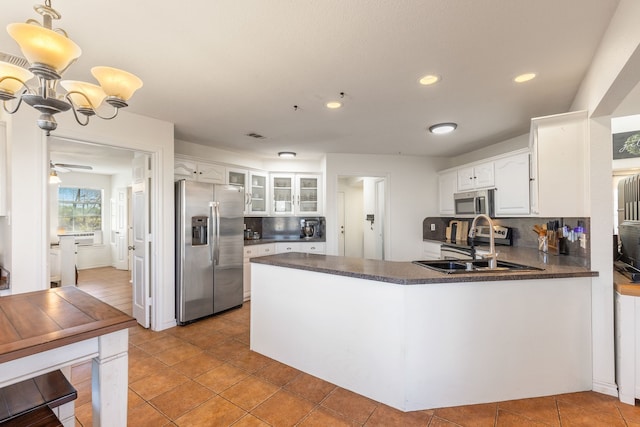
<point x="406" y="273"/>
<point x="278" y="239"/>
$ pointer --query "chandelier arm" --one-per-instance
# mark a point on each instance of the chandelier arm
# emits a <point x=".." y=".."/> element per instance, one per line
<point x="26" y="88"/>
<point x="4" y="105"/>
<point x="73" y="108"/>
<point x="113" y="116"/>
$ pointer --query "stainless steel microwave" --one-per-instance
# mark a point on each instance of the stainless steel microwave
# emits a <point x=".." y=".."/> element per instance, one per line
<point x="472" y="203"/>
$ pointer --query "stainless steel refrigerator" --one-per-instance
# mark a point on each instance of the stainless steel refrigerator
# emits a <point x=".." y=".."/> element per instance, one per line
<point x="209" y="249"/>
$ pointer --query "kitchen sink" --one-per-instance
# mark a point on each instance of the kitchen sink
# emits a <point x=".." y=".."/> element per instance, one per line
<point x="467" y="266"/>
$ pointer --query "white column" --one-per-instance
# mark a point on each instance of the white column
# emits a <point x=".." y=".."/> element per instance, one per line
<point x="109" y="380"/>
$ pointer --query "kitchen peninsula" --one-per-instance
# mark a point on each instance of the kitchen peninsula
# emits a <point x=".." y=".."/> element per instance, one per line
<point x="415" y="339"/>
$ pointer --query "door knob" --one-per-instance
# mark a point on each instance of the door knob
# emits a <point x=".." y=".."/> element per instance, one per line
<point x="131" y="248"/>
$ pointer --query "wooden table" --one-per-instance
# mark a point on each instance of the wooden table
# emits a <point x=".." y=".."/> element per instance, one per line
<point x="53" y="329"/>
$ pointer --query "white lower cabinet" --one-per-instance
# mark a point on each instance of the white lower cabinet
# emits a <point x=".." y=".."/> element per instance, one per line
<point x="305" y="247"/>
<point x="250" y="252"/>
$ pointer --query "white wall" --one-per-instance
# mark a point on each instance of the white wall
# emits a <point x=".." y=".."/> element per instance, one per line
<point x="512" y="144"/>
<point x="411" y="196"/>
<point x="614" y="71"/>
<point x="28" y="220"/>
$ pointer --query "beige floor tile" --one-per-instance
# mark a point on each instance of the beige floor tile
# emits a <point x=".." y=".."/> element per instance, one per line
<point x="250" y="421"/>
<point x="350" y="405"/>
<point x="197" y="365"/>
<point x="145" y="416"/>
<point x="572" y="415"/>
<point x="470" y="415"/>
<point x="222" y="377"/>
<point x="178" y="354"/>
<point x="542" y="409"/>
<point x="249" y="393"/>
<point x="178" y="401"/>
<point x="158" y="383"/>
<point x="143" y="367"/>
<point x="386" y="416"/>
<point x="278" y="373"/>
<point x="283" y="409"/>
<point x="229" y="349"/>
<point x="214" y="412"/>
<point x="251" y="361"/>
<point x="310" y="387"/>
<point x="321" y="417"/>
<point x="161" y="344"/>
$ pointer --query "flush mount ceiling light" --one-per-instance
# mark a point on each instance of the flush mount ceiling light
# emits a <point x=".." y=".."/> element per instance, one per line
<point x="49" y="52"/>
<point x="429" y="79"/>
<point x="442" y="128"/>
<point x="332" y="105"/>
<point x="286" y="154"/>
<point x="524" y="77"/>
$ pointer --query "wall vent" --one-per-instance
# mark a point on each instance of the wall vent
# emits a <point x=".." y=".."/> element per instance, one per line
<point x="255" y="135"/>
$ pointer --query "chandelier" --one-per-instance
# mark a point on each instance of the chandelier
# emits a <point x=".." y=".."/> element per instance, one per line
<point x="49" y="52"/>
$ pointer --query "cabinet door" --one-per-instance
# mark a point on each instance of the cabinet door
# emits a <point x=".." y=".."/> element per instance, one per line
<point x="185" y="169"/>
<point x="465" y="179"/>
<point x="447" y="185"/>
<point x="211" y="172"/>
<point x="484" y="175"/>
<point x="512" y="185"/>
<point x="258" y="194"/>
<point x="240" y="178"/>
<point x="313" y="247"/>
<point x="559" y="144"/>
<point x="284" y="247"/>
<point x="308" y="195"/>
<point x="282" y="189"/>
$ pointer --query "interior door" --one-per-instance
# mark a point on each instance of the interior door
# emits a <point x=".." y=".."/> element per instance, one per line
<point x="140" y="247"/>
<point x="121" y="231"/>
<point x="379" y="219"/>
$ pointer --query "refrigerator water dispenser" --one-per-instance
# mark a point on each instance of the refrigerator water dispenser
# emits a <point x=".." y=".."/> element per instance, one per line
<point x="199" y="230"/>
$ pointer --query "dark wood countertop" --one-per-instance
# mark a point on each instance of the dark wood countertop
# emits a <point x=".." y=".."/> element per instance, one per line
<point x="406" y="273"/>
<point x="38" y="321"/>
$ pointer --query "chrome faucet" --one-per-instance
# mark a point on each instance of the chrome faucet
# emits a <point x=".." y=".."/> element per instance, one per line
<point x="492" y="256"/>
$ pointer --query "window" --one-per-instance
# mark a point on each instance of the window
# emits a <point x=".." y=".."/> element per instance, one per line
<point x="79" y="209"/>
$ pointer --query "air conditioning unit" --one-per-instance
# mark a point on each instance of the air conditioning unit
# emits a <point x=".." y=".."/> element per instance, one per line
<point x="84" y="239"/>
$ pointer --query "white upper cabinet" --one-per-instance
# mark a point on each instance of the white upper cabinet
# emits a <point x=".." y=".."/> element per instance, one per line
<point x="198" y="171"/>
<point x="476" y="176"/>
<point x="255" y="189"/>
<point x="258" y="193"/>
<point x="512" y="185"/>
<point x="296" y="194"/>
<point x="447" y="187"/>
<point x="558" y="165"/>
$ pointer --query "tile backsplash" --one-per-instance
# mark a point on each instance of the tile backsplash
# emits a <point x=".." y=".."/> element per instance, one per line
<point x="523" y="234"/>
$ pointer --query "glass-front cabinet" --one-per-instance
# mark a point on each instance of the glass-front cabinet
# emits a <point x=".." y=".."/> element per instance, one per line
<point x="308" y="197"/>
<point x="283" y="194"/>
<point x="258" y="196"/>
<point x="255" y="189"/>
<point x="296" y="194"/>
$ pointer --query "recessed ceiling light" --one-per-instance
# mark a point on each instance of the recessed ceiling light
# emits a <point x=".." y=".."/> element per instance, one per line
<point x="287" y="154"/>
<point x="333" y="105"/>
<point x="442" y="128"/>
<point x="524" y="77"/>
<point x="429" y="79"/>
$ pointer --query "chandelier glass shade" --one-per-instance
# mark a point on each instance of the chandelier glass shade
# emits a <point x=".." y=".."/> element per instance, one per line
<point x="49" y="52"/>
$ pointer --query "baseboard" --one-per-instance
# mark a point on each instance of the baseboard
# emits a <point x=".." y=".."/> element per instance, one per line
<point x="610" y="389"/>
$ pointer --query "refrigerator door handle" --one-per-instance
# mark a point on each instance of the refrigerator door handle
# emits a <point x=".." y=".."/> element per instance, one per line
<point x="217" y="241"/>
<point x="210" y="227"/>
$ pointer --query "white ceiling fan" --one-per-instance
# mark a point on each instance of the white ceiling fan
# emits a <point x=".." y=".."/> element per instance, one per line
<point x="67" y="167"/>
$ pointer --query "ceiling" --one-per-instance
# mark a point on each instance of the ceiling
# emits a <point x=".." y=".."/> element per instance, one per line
<point x="220" y="69"/>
